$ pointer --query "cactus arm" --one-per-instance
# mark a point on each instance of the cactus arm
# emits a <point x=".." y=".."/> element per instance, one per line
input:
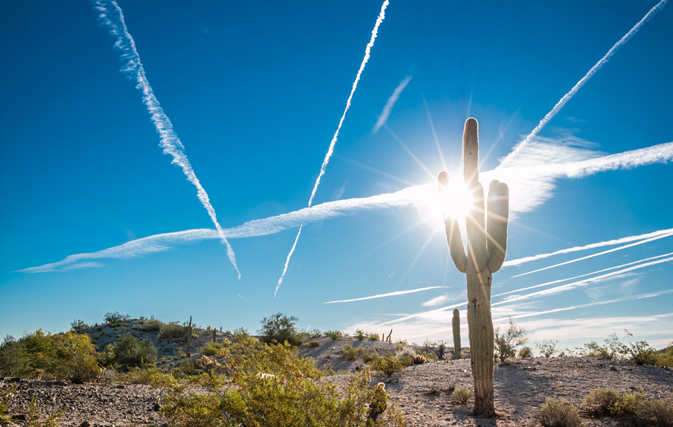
<point x="453" y="237"/>
<point x="496" y="224"/>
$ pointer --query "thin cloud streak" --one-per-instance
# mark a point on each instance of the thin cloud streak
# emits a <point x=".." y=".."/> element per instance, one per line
<point x="630" y="245"/>
<point x="110" y="15"/>
<point x="325" y="162"/>
<point x="587" y="247"/>
<point x="581" y="83"/>
<point x="390" y="294"/>
<point x="388" y="108"/>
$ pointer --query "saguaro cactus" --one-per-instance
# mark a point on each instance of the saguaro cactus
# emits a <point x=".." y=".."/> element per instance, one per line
<point x="457" y="349"/>
<point x="486" y="247"/>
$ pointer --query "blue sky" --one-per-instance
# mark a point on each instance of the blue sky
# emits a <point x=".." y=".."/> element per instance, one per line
<point x="255" y="92"/>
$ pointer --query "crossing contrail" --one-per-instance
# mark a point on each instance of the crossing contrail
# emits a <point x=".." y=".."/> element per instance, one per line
<point x="110" y="15"/>
<point x="368" y="49"/>
<point x="390" y="294"/>
<point x="581" y="83"/>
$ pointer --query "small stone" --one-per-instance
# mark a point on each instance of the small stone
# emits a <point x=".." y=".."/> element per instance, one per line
<point x="85" y="424"/>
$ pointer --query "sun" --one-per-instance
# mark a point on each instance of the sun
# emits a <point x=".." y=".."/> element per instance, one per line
<point x="455" y="200"/>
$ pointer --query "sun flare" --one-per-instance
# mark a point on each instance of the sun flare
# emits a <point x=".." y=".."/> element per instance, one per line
<point x="456" y="200"/>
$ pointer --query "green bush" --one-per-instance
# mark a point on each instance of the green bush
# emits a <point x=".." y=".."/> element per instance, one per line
<point x="335" y="335"/>
<point x="406" y="361"/>
<point x="387" y="365"/>
<point x="507" y="342"/>
<point x="149" y="376"/>
<point x="13" y="358"/>
<point x="114" y="319"/>
<point x="369" y="356"/>
<point x="461" y="395"/>
<point x="312" y="344"/>
<point x="547" y="348"/>
<point x="279" y="328"/>
<point x="655" y="413"/>
<point x="373" y="336"/>
<point x="525" y="353"/>
<point x="601" y="401"/>
<point x="360" y="335"/>
<point x="270" y="385"/>
<point x="130" y="352"/>
<point x="402" y="351"/>
<point x="628" y="404"/>
<point x="211" y="348"/>
<point x="666" y="359"/>
<point x="642" y="354"/>
<point x="349" y="353"/>
<point x="151" y="324"/>
<point x="78" y="325"/>
<point x="74" y="358"/>
<point x="559" y="413"/>
<point x="172" y="330"/>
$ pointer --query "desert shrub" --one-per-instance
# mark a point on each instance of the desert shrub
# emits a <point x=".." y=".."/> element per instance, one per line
<point x="461" y="395"/>
<point x="13" y="358"/>
<point x="655" y="413"/>
<point x="130" y="352"/>
<point x="279" y="328"/>
<point x="404" y="351"/>
<point x="666" y="359"/>
<point x="151" y="324"/>
<point x="601" y="401"/>
<point x="211" y="348"/>
<point x="360" y="335"/>
<point x="149" y="376"/>
<point x="78" y="325"/>
<point x="172" y="330"/>
<point x="559" y="413"/>
<point x="114" y="319"/>
<point x="180" y="354"/>
<point x="74" y="358"/>
<point x="525" y="353"/>
<point x="289" y="395"/>
<point x="369" y="356"/>
<point x="312" y="344"/>
<point x="613" y="349"/>
<point x="547" y="348"/>
<point x="349" y="353"/>
<point x="642" y="354"/>
<point x="430" y="356"/>
<point x="335" y="335"/>
<point x="627" y="404"/>
<point x="406" y="361"/>
<point x="373" y="336"/>
<point x="401" y="344"/>
<point x="387" y="365"/>
<point x="507" y="342"/>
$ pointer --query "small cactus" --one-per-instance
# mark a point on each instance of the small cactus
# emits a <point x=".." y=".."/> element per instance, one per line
<point x="456" y="334"/>
<point x="486" y="248"/>
<point x="419" y="359"/>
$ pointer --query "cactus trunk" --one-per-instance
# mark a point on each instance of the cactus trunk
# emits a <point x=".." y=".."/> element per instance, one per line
<point x="486" y="247"/>
<point x="457" y="348"/>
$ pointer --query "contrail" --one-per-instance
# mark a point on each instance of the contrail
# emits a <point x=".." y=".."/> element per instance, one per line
<point x="670" y="233"/>
<point x="582" y="275"/>
<point x="388" y="108"/>
<point x="556" y="310"/>
<point x="113" y="18"/>
<point x="581" y="83"/>
<point x="526" y="194"/>
<point x="586" y="247"/>
<point x="390" y="294"/>
<point x="368" y="49"/>
<point x="584" y="282"/>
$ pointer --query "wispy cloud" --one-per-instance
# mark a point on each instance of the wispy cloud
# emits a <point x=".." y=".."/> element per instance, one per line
<point x="325" y="162"/>
<point x="581" y="83"/>
<point x="519" y="261"/>
<point x="389" y="294"/>
<point x="388" y="108"/>
<point x="110" y="15"/>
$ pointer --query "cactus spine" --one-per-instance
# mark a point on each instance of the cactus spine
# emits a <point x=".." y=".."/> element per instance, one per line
<point x="456" y="334"/>
<point x="486" y="248"/>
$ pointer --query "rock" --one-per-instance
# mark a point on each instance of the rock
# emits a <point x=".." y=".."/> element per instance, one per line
<point x="85" y="424"/>
<point x="156" y="407"/>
